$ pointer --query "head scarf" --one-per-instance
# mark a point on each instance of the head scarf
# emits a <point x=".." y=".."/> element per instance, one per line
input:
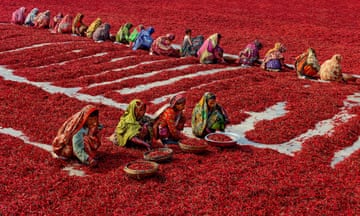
<point x="177" y="99"/>
<point x="170" y="36"/>
<point x="200" y="114"/>
<point x="71" y="126"/>
<point x="31" y="16"/>
<point x="128" y="126"/>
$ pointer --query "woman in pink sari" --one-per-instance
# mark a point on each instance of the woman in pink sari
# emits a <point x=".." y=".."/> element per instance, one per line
<point x="210" y="52"/>
<point x="162" y="46"/>
<point x="18" y="16"/>
<point x="64" y="26"/>
<point x="79" y="136"/>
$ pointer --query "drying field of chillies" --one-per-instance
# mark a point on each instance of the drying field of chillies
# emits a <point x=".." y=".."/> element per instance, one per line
<point x="47" y="77"/>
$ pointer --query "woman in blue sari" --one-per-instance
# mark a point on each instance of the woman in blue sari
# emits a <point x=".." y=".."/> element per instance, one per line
<point x="144" y="40"/>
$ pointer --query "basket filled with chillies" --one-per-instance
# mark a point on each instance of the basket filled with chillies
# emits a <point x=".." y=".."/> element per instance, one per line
<point x="159" y="155"/>
<point x="222" y="139"/>
<point x="193" y="145"/>
<point x="141" y="168"/>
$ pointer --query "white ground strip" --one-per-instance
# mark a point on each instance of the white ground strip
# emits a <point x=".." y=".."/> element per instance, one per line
<point x="273" y="112"/>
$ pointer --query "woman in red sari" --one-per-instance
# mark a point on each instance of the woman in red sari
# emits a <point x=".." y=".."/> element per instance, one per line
<point x="162" y="46"/>
<point x="79" y="136"/>
<point x="170" y="123"/>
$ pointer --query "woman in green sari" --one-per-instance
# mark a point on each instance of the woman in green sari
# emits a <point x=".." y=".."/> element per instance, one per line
<point x="208" y="116"/>
<point x="133" y="128"/>
<point x="123" y="35"/>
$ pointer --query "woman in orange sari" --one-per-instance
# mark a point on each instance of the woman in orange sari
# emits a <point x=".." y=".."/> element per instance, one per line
<point x="307" y="65"/>
<point x="79" y="136"/>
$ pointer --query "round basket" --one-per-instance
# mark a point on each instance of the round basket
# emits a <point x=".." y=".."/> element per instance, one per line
<point x="193" y="148"/>
<point x="159" y="155"/>
<point x="141" y="169"/>
<point x="222" y="139"/>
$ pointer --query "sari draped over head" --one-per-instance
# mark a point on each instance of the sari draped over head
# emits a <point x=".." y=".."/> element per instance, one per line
<point x="102" y="33"/>
<point x="144" y="39"/>
<point x="135" y="33"/>
<point x="78" y="27"/>
<point x="70" y="127"/>
<point x="64" y="26"/>
<point x="274" y="57"/>
<point x="207" y="52"/>
<point x="250" y="54"/>
<point x="162" y="46"/>
<point x="171" y="121"/>
<point x="18" y="16"/>
<point x="188" y="49"/>
<point x="30" y="18"/>
<point x="128" y="127"/>
<point x="331" y="69"/>
<point x="42" y="20"/>
<point x="123" y="35"/>
<point x="307" y="64"/>
<point x="203" y="118"/>
<point x="92" y="27"/>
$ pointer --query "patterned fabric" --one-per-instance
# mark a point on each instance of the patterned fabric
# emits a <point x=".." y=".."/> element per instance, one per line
<point x="274" y="58"/>
<point x="42" y="20"/>
<point x="206" y="120"/>
<point x="56" y="20"/>
<point x="162" y="46"/>
<point x="30" y="18"/>
<point x="144" y="39"/>
<point x="75" y="131"/>
<point x="102" y="33"/>
<point x="65" y="25"/>
<point x="18" y="16"/>
<point x="92" y="27"/>
<point x="307" y="64"/>
<point x="128" y="127"/>
<point x="171" y="121"/>
<point x="330" y="70"/>
<point x="78" y="27"/>
<point x="123" y="35"/>
<point x="250" y="54"/>
<point x="210" y="51"/>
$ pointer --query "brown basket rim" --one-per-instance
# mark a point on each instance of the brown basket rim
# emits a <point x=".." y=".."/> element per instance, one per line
<point x="159" y="158"/>
<point x="139" y="173"/>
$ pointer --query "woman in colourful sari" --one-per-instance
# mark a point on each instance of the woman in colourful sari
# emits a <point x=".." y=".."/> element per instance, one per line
<point x="144" y="39"/>
<point x="133" y="128"/>
<point x="102" y="33"/>
<point x="274" y="59"/>
<point x="307" y="65"/>
<point x="64" y="26"/>
<point x="78" y="27"/>
<point x="79" y="136"/>
<point x="134" y="34"/>
<point x="170" y="123"/>
<point x="18" y="16"/>
<point x="42" y="20"/>
<point x="208" y="116"/>
<point x="162" y="46"/>
<point x="92" y="27"/>
<point x="250" y="55"/>
<point x="30" y="18"/>
<point x="331" y="70"/>
<point x="210" y="52"/>
<point x="123" y="35"/>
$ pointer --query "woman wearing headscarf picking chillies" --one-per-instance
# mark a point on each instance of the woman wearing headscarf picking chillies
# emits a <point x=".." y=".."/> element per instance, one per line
<point x="208" y="116"/>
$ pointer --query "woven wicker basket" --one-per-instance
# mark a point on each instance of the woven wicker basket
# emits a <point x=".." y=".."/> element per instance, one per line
<point x="139" y="174"/>
<point x="160" y="158"/>
<point x="193" y="148"/>
<point x="224" y="144"/>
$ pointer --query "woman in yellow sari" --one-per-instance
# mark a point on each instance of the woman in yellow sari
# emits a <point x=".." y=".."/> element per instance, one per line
<point x="92" y="27"/>
<point x="78" y="27"/>
<point x="133" y="127"/>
